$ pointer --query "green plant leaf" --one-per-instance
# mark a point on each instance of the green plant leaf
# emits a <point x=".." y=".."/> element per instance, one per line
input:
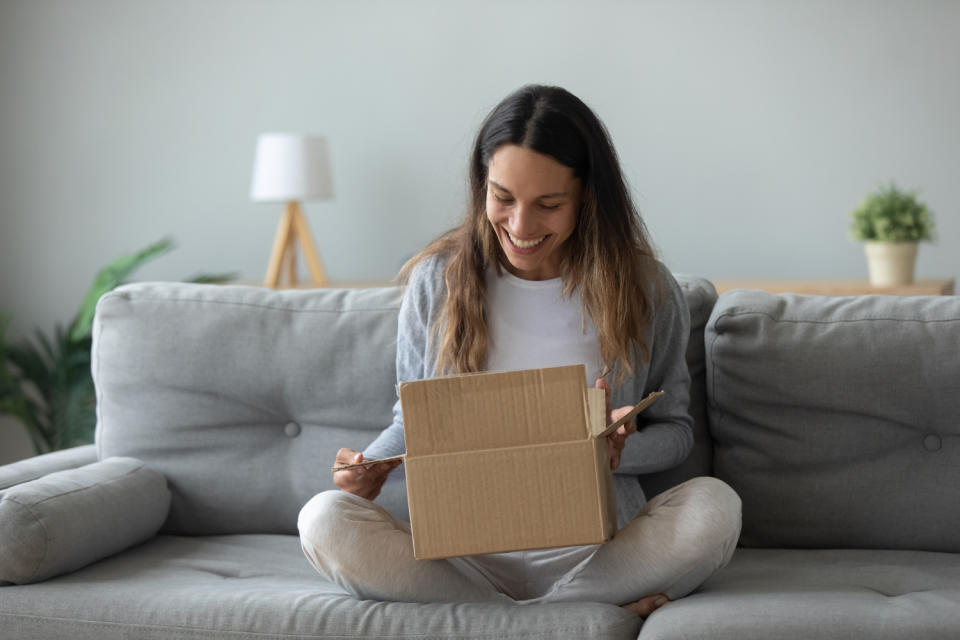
<point x="213" y="278"/>
<point x="78" y="420"/>
<point x="5" y="374"/>
<point x="13" y="399"/>
<point x="72" y="411"/>
<point x="890" y="214"/>
<point x="47" y="351"/>
<point x="15" y="402"/>
<point x="110" y="277"/>
<point x="72" y="358"/>
<point x="33" y="367"/>
<point x="77" y="360"/>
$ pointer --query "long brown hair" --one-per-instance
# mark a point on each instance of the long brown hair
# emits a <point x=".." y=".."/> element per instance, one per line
<point x="609" y="256"/>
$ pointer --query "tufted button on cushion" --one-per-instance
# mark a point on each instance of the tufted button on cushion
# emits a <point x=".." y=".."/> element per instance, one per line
<point x="292" y="429"/>
<point x="932" y="442"/>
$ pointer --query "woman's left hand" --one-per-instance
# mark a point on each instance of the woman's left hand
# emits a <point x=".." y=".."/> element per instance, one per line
<point x="618" y="439"/>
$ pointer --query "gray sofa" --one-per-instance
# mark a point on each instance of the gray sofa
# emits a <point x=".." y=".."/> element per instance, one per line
<point x="220" y="409"/>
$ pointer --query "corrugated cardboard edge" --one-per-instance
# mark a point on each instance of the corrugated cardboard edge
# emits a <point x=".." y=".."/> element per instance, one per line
<point x="366" y="463"/>
<point x="643" y="404"/>
<point x="606" y="499"/>
<point x="586" y="403"/>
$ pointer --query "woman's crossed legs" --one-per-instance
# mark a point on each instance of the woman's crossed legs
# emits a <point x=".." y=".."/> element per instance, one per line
<point x="679" y="539"/>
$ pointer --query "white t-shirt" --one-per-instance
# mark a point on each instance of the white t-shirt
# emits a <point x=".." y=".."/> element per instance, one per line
<point x="532" y="325"/>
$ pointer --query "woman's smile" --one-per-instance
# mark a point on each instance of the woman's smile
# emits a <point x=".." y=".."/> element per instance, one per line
<point x="525" y="246"/>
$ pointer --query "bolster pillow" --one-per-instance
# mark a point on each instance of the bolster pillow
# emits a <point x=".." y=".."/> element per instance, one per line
<point x="69" y="519"/>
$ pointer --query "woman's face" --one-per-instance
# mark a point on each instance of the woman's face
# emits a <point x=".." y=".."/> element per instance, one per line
<point x="532" y="204"/>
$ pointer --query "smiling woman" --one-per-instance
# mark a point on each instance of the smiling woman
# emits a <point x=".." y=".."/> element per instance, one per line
<point x="542" y="147"/>
<point x="551" y="266"/>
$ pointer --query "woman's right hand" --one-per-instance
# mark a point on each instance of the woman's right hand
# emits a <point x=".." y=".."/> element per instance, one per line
<point x="365" y="482"/>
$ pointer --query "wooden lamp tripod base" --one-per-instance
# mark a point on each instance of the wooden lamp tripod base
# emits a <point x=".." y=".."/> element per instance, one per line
<point x="283" y="258"/>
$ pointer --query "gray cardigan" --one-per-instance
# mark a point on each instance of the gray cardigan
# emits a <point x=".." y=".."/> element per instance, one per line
<point x="665" y="430"/>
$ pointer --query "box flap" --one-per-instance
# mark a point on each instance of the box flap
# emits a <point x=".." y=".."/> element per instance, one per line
<point x="606" y="499"/>
<point x="597" y="405"/>
<point x="643" y="404"/>
<point x="495" y="410"/>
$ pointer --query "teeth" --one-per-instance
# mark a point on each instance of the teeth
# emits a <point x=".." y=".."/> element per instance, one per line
<point x="525" y="244"/>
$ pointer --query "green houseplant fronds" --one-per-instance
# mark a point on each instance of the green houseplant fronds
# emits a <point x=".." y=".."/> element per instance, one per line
<point x="892" y="215"/>
<point x="45" y="383"/>
<point x="110" y="277"/>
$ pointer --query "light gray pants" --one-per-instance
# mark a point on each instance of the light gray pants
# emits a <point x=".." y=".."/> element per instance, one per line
<point x="673" y="545"/>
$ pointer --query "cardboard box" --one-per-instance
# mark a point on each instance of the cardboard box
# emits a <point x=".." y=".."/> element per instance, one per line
<point x="507" y="461"/>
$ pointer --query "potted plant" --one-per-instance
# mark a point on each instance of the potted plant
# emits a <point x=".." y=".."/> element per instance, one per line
<point x="46" y="384"/>
<point x="891" y="223"/>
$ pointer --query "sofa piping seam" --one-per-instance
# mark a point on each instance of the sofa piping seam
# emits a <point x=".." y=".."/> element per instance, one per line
<point x="713" y="377"/>
<point x="195" y="630"/>
<point x="100" y="483"/>
<point x="97" y="379"/>
<point x="42" y="472"/>
<point x="734" y="314"/>
<point x="143" y="298"/>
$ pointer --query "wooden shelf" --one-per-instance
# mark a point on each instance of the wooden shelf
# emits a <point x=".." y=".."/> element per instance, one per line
<point x="840" y="287"/>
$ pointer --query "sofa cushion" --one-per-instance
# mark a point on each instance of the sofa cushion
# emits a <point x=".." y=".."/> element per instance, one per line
<point x="700" y="296"/>
<point x="836" y="419"/>
<point x="801" y="594"/>
<point x="241" y="396"/>
<point x="68" y="519"/>
<point x="251" y="587"/>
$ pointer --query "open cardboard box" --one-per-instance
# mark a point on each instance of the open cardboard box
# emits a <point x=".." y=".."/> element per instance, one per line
<point x="508" y="461"/>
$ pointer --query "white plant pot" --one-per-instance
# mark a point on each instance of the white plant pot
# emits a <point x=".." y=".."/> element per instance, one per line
<point x="891" y="263"/>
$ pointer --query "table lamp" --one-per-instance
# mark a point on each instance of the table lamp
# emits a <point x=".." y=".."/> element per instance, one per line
<point x="290" y="168"/>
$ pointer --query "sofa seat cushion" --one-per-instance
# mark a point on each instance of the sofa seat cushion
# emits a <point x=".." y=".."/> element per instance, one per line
<point x="261" y="586"/>
<point x="820" y="594"/>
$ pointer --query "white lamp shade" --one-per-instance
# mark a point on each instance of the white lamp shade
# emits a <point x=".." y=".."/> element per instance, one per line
<point x="291" y="167"/>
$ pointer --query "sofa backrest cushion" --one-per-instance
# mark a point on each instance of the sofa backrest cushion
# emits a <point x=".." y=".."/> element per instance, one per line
<point x="836" y="418"/>
<point x="241" y="396"/>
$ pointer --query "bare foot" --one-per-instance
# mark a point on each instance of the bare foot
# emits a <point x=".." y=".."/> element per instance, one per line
<point x="645" y="606"/>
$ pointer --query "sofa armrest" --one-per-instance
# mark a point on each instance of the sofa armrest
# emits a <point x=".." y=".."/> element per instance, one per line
<point x="69" y="519"/>
<point x="38" y="466"/>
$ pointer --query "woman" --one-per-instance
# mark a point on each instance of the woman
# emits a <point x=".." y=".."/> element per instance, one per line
<point x="551" y="266"/>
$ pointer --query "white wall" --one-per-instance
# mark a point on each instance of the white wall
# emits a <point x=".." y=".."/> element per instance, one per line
<point x="747" y="129"/>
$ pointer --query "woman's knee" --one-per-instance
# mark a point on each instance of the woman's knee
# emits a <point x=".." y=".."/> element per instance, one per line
<point x="718" y="493"/>
<point x="323" y="515"/>
<point x="716" y="507"/>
